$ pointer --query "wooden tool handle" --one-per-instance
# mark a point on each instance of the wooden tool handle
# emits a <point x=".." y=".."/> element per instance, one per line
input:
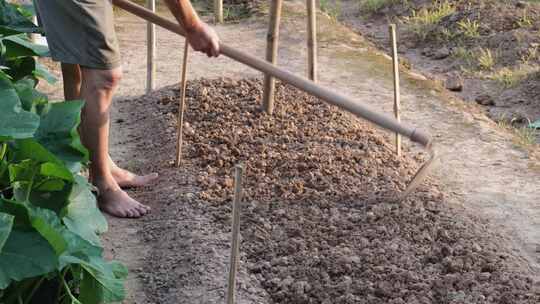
<point x="344" y="102"/>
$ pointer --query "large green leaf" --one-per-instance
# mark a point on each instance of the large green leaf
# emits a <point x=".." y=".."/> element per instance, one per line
<point x="12" y="21"/>
<point x="6" y="223"/>
<point x="21" y="219"/>
<point x="51" y="181"/>
<point x="82" y="215"/>
<point x="51" y="169"/>
<point x="48" y="224"/>
<point x="29" y="148"/>
<point x="15" y="122"/>
<point x="42" y="72"/>
<point x="21" y="46"/>
<point x="19" y="68"/>
<point x="103" y="282"/>
<point x="26" y="254"/>
<point x="31" y="99"/>
<point x="58" y="133"/>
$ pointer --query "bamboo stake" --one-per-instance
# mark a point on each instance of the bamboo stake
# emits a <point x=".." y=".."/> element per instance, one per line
<point x="337" y="99"/>
<point x="397" y="101"/>
<point x="218" y="11"/>
<point x="181" y="105"/>
<point x="150" y="50"/>
<point x="238" y="172"/>
<point x="272" y="39"/>
<point x="312" y="40"/>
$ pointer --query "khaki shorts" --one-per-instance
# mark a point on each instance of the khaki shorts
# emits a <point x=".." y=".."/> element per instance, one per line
<point x="80" y="32"/>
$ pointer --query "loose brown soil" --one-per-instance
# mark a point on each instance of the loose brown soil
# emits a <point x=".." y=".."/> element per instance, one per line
<point x="443" y="50"/>
<point x="317" y="226"/>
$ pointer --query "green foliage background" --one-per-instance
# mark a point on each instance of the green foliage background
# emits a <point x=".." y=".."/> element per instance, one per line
<point x="49" y="220"/>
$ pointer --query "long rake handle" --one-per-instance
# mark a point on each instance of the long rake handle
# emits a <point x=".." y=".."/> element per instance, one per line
<point x="339" y="100"/>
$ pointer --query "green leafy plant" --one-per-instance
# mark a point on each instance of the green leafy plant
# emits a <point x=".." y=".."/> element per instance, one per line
<point x="465" y="57"/>
<point x="332" y="10"/>
<point x="49" y="220"/>
<point x="423" y="21"/>
<point x="524" y="20"/>
<point x="469" y="28"/>
<point x="373" y="6"/>
<point x="486" y="59"/>
<point x="510" y="78"/>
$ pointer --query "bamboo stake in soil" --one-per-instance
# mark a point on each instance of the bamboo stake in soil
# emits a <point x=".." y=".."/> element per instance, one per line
<point x="338" y="99"/>
<point x="397" y="101"/>
<point x="312" y="40"/>
<point x="238" y="172"/>
<point x="150" y="50"/>
<point x="271" y="55"/>
<point x="181" y="105"/>
<point x="335" y="98"/>
<point x="218" y="11"/>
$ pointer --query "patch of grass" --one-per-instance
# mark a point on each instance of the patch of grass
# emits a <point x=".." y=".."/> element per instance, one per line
<point x="532" y="53"/>
<point x="235" y="13"/>
<point x="423" y="21"/>
<point x="523" y="136"/>
<point x="464" y="55"/>
<point x="469" y="28"/>
<point x="373" y="6"/>
<point x="446" y="35"/>
<point x="333" y="10"/>
<point x="526" y="136"/>
<point x="486" y="59"/>
<point x="525" y="21"/>
<point x="510" y="78"/>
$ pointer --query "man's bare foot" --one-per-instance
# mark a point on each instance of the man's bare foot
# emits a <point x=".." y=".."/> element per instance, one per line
<point x="118" y="203"/>
<point x="126" y="179"/>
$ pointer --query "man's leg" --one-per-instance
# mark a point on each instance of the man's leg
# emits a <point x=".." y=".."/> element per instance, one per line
<point x="97" y="90"/>
<point x="71" y="74"/>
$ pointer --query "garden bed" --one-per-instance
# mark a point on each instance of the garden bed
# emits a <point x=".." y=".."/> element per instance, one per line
<point x="317" y="226"/>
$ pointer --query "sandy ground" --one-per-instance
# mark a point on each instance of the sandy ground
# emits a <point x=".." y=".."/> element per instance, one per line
<point x="481" y="167"/>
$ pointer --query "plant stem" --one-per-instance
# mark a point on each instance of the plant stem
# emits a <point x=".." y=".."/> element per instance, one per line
<point x="39" y="282"/>
<point x="62" y="274"/>
<point x="30" y="185"/>
<point x="69" y="290"/>
<point x="3" y="151"/>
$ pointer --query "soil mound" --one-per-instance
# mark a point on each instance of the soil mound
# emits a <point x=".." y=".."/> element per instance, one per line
<point x="316" y="224"/>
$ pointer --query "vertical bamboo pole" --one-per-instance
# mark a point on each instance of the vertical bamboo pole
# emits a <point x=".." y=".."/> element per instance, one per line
<point x="397" y="101"/>
<point x="218" y="11"/>
<point x="238" y="172"/>
<point x="181" y="105"/>
<point x="272" y="39"/>
<point x="312" y="40"/>
<point x="150" y="50"/>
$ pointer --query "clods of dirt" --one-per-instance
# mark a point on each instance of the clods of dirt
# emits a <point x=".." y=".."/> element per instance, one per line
<point x="317" y="224"/>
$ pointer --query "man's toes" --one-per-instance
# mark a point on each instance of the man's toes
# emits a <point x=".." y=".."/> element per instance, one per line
<point x="147" y="179"/>
<point x="135" y="213"/>
<point x="142" y="209"/>
<point x="130" y="213"/>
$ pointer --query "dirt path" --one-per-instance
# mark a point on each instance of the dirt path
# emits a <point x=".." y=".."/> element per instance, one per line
<point x="481" y="167"/>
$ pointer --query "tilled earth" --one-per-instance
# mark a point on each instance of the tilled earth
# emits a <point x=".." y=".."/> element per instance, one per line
<point x="318" y="223"/>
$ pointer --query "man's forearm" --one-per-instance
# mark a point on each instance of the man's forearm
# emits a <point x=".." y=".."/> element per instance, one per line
<point x="183" y="12"/>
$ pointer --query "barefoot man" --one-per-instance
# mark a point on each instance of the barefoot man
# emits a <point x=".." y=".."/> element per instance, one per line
<point x="81" y="36"/>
